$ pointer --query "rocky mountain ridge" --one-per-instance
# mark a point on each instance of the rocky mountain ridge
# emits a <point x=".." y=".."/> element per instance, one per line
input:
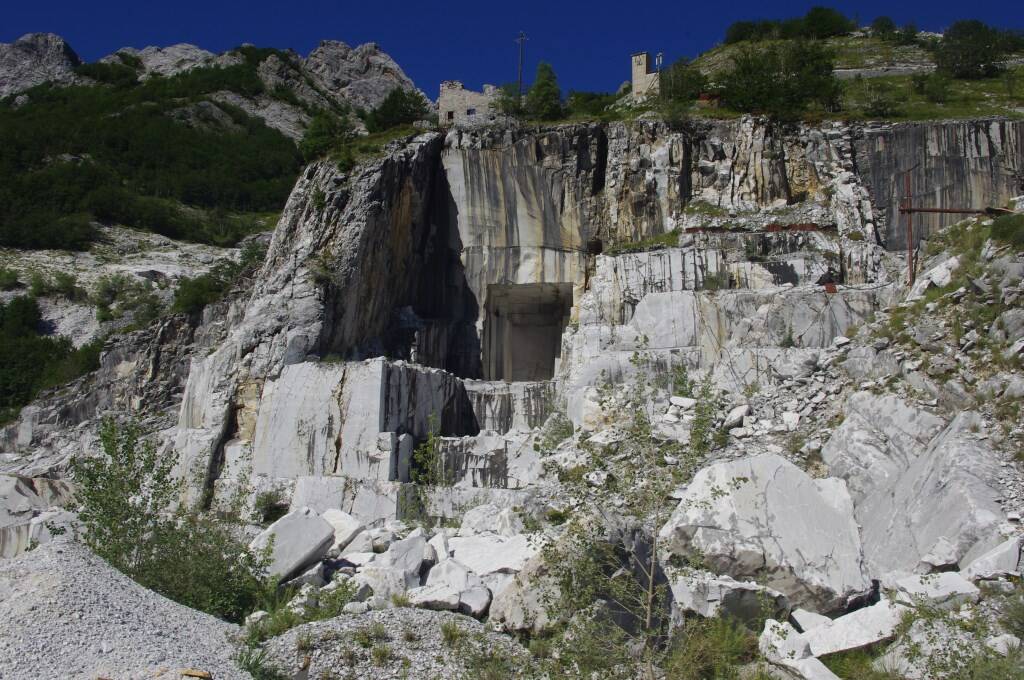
<point x="333" y="75"/>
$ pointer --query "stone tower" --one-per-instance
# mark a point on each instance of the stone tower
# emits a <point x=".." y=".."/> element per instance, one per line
<point x="644" y="79"/>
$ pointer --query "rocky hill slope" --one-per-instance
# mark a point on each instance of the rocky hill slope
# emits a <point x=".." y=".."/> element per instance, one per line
<point x="471" y="364"/>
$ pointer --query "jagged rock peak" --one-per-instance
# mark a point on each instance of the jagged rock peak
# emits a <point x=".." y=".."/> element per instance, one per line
<point x="33" y="59"/>
<point x="363" y="75"/>
<point x="173" y="59"/>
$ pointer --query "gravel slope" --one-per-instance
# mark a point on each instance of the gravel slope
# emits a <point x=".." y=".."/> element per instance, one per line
<point x="410" y="644"/>
<point x="65" y="613"/>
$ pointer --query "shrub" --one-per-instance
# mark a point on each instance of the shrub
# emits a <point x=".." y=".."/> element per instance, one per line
<point x="934" y="86"/>
<point x="400" y="107"/>
<point x="30" y="362"/>
<point x="193" y="294"/>
<point x="590" y="104"/>
<point x="1009" y="229"/>
<point x="325" y="133"/>
<point x="544" y="100"/>
<point x="970" y="49"/>
<point x="270" y="506"/>
<point x="907" y="35"/>
<point x="254" y="661"/>
<point x="709" y="648"/>
<point x="825" y="22"/>
<point x="125" y="498"/>
<point x="8" y="279"/>
<point x="682" y="82"/>
<point x="118" y="75"/>
<point x="883" y="27"/>
<point x="819" y="22"/>
<point x="509" y="102"/>
<point x="451" y="633"/>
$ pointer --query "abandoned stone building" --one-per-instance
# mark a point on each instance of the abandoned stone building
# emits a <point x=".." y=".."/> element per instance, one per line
<point x="457" y="106"/>
<point x="644" y="79"/>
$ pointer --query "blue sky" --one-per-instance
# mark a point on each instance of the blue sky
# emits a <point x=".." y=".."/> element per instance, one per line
<point x="588" y="43"/>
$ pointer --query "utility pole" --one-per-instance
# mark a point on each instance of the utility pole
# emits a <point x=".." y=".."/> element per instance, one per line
<point x="522" y="45"/>
<point x="908" y="205"/>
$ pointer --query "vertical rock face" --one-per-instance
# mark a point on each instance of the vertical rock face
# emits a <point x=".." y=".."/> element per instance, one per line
<point x="34" y="59"/>
<point x="952" y="164"/>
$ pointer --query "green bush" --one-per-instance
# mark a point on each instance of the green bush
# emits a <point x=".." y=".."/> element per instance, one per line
<point x="400" y="107"/>
<point x="589" y="104"/>
<point x="682" y="82"/>
<point x="709" y="648"/>
<point x="195" y="293"/>
<point x="781" y="80"/>
<point x="1009" y="229"/>
<point x="326" y="132"/>
<point x="8" y="279"/>
<point x="819" y="22"/>
<point x="30" y="362"/>
<point x="970" y="49"/>
<point x="883" y="27"/>
<point x="125" y="498"/>
<point x="118" y="75"/>
<point x="934" y="86"/>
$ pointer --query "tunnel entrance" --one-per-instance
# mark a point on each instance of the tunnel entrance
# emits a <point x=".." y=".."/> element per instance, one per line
<point x="523" y="330"/>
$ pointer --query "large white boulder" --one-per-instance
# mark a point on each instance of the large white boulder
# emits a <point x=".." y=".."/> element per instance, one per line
<point x="298" y="539"/>
<point x="406" y="554"/>
<point x="1006" y="559"/>
<point x="783" y="647"/>
<point x="486" y="554"/>
<point x="879" y="437"/>
<point x="523" y="604"/>
<point x="471" y="595"/>
<point x="923" y="493"/>
<point x="763" y="518"/>
<point x="947" y="590"/>
<point x="345" y="526"/>
<point x="858" y="629"/>
<point x="488" y="518"/>
<point x="708" y="595"/>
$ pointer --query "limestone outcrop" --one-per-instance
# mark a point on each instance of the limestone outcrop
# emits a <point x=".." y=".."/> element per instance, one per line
<point x="34" y="59"/>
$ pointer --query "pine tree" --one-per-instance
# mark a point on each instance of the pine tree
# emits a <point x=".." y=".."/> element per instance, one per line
<point x="544" y="100"/>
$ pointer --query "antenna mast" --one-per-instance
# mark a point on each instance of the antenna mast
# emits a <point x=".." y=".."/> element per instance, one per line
<point x="522" y="44"/>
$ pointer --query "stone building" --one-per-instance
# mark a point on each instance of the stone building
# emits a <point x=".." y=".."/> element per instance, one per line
<point x="457" y="106"/>
<point x="645" y="80"/>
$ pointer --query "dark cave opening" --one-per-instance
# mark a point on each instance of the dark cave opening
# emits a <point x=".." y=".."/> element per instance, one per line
<point x="523" y="330"/>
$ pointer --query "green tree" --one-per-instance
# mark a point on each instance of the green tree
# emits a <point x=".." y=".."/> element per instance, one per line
<point x="509" y="102"/>
<point x="544" y="100"/>
<point x="126" y="498"/>
<point x="907" y="35"/>
<point x="400" y="107"/>
<point x="682" y="82"/>
<point x="970" y="49"/>
<point x="825" y="22"/>
<point x="325" y="133"/>
<point x="781" y="80"/>
<point x="883" y="27"/>
<point x="590" y="104"/>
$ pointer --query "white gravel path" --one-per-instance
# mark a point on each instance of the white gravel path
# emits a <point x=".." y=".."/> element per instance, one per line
<point x="65" y="613"/>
